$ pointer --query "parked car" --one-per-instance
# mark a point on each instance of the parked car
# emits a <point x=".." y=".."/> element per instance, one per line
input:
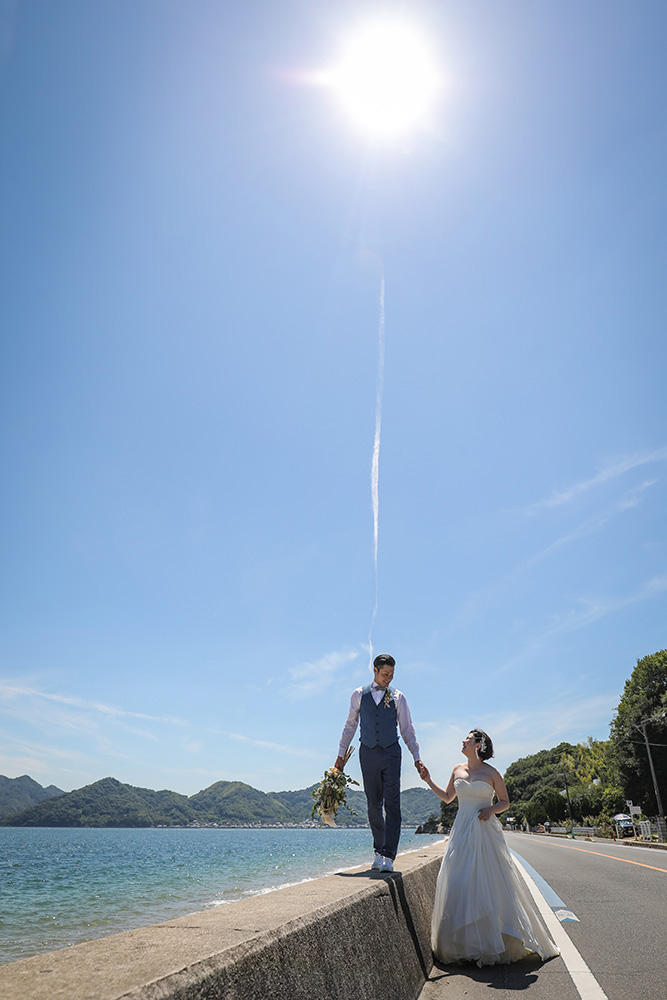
<point x="625" y="828"/>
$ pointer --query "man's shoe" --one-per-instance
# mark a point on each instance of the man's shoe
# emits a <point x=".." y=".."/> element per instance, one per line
<point x="387" y="865"/>
<point x="378" y="864"/>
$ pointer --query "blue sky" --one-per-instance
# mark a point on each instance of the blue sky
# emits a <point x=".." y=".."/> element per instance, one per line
<point x="193" y="242"/>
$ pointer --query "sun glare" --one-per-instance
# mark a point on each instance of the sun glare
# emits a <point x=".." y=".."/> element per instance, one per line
<point x="386" y="79"/>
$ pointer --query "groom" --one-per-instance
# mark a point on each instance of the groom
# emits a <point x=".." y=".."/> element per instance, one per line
<point x="382" y="711"/>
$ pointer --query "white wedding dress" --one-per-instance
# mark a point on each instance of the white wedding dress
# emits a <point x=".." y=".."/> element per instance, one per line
<point x="483" y="911"/>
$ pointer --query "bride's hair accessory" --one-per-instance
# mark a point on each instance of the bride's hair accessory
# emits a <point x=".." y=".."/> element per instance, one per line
<point x="484" y="749"/>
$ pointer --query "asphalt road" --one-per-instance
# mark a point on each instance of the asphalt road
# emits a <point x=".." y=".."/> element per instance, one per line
<point x="619" y="895"/>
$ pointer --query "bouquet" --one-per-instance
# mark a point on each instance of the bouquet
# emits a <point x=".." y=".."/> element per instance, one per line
<point x="331" y="792"/>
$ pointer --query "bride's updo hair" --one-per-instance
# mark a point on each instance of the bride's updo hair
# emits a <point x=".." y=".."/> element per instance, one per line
<point x="486" y="744"/>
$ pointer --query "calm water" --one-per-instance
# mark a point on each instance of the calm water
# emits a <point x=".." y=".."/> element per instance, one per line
<point x="59" y="887"/>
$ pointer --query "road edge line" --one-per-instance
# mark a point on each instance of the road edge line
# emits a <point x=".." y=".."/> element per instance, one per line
<point x="585" y="982"/>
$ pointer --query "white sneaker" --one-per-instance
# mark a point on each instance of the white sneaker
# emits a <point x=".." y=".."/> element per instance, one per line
<point x="387" y="865"/>
<point x="378" y="863"/>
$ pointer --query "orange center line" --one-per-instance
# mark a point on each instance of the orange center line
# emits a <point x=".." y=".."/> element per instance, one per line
<point x="627" y="861"/>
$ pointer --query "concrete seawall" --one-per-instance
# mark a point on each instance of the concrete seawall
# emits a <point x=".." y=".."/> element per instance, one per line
<point x="355" y="934"/>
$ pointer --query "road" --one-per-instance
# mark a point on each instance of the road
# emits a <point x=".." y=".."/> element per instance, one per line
<point x="618" y="894"/>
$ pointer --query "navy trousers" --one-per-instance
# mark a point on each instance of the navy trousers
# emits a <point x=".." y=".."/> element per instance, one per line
<point x="381" y="771"/>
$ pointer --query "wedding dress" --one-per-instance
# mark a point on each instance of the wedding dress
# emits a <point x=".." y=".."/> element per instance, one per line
<point x="483" y="911"/>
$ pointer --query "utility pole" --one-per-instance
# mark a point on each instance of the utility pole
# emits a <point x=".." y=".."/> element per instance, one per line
<point x="661" y="814"/>
<point x="569" y="805"/>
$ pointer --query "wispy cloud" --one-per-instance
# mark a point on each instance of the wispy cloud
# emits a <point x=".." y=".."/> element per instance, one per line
<point x="591" y="525"/>
<point x="584" y="611"/>
<point x="519" y="733"/>
<point x="22" y="756"/>
<point x="265" y="744"/>
<point x="611" y="471"/>
<point x="591" y="609"/>
<point x="66" y="767"/>
<point x="11" y="691"/>
<point x="310" y="679"/>
<point x="571" y="718"/>
<point x="480" y="600"/>
<point x="65" y="711"/>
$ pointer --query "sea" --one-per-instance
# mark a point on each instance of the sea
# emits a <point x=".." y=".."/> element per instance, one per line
<point x="62" y="886"/>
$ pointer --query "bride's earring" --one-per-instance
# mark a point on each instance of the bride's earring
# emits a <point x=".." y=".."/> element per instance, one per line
<point x="477" y="752"/>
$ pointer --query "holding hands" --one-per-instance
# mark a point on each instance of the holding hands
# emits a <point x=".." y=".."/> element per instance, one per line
<point x="423" y="770"/>
<point x="446" y="794"/>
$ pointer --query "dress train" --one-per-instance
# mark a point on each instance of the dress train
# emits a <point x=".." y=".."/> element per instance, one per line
<point x="483" y="911"/>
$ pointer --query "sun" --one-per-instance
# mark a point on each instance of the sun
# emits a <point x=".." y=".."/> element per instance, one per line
<point x="386" y="79"/>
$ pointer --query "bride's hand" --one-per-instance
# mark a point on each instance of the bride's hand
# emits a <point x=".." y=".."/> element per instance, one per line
<point x="485" y="813"/>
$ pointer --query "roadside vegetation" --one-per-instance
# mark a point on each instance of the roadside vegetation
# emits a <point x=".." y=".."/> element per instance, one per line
<point x="598" y="775"/>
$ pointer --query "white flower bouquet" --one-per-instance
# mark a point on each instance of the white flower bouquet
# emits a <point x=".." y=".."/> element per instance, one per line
<point x="331" y="793"/>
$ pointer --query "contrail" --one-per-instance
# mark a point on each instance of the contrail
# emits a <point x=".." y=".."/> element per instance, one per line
<point x="375" y="466"/>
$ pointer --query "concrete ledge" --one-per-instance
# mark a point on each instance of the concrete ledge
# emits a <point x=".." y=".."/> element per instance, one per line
<point x="357" y="933"/>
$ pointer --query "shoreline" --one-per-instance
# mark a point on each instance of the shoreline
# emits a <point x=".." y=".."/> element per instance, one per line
<point x="313" y="878"/>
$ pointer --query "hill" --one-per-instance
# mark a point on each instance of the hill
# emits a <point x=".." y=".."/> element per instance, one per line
<point x="236" y="804"/>
<point x="21" y="793"/>
<point x="110" y="803"/>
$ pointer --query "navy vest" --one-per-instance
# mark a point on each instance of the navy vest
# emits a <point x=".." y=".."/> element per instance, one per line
<point x="379" y="723"/>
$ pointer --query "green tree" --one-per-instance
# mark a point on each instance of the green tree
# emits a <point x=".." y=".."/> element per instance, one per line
<point x="643" y="705"/>
<point x="546" y="804"/>
<point x="448" y="813"/>
<point x="535" y="783"/>
<point x="594" y="800"/>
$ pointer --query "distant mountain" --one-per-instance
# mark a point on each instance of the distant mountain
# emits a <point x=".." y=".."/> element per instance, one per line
<point x="237" y="804"/>
<point x="418" y="805"/>
<point x="20" y="793"/>
<point x="110" y="803"/>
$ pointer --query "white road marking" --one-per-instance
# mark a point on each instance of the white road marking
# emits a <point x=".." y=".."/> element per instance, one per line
<point x="551" y="896"/>
<point x="585" y="982"/>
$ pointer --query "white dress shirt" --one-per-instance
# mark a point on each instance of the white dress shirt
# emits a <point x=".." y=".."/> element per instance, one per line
<point x="402" y="711"/>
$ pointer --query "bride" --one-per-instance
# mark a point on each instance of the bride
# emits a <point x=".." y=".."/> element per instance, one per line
<point x="483" y="911"/>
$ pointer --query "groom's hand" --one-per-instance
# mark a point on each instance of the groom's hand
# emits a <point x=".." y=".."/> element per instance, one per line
<point x="340" y="764"/>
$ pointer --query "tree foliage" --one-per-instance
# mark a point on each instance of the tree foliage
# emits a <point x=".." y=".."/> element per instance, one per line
<point x="536" y="784"/>
<point x="643" y="704"/>
<point x="548" y="805"/>
<point x="448" y="814"/>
